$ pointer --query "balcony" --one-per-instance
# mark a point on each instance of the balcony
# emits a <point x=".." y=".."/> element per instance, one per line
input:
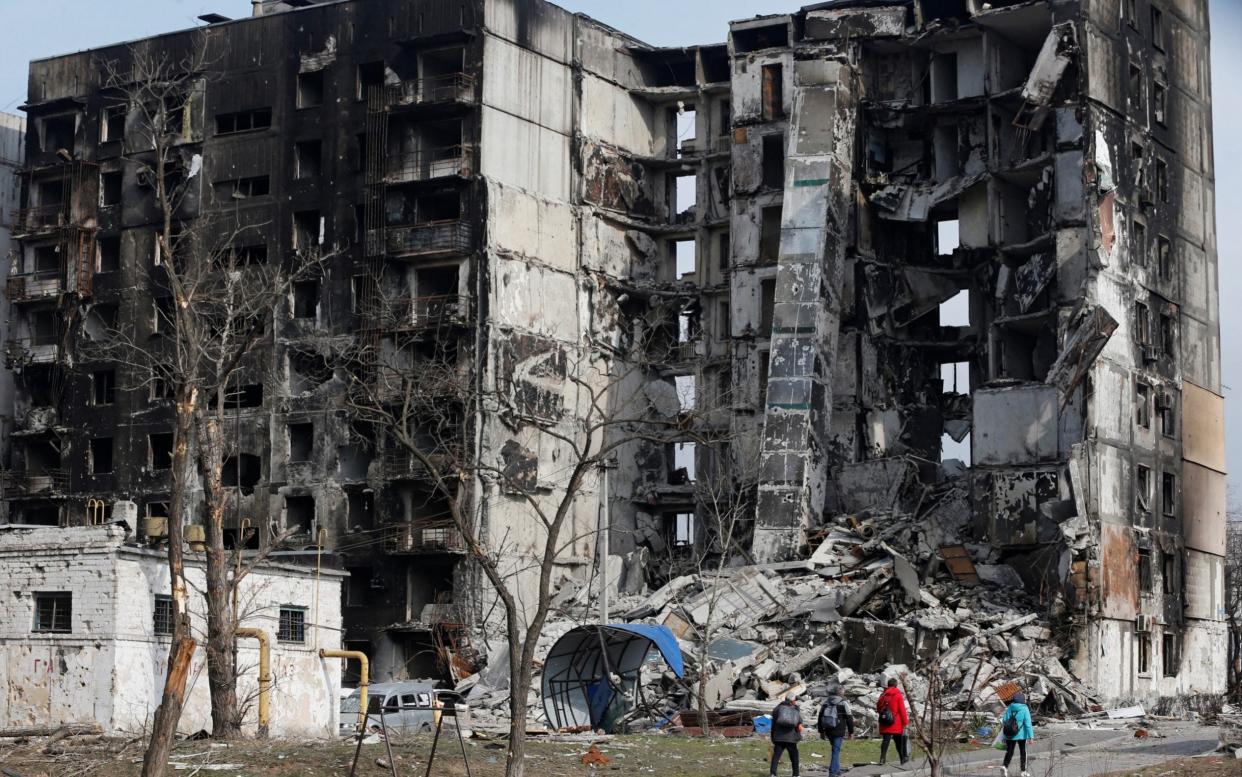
<point x="31" y="222"/>
<point x="30" y="350"/>
<point x="452" y="237"/>
<point x="430" y="164"/>
<point x="421" y="537"/>
<point x="47" y="481"/>
<point x="448" y="89"/>
<point x="35" y="286"/>
<point x="413" y="314"/>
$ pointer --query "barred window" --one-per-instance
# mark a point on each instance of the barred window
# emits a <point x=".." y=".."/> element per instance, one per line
<point x="163" y="615"/>
<point x="292" y="625"/>
<point x="53" y="612"/>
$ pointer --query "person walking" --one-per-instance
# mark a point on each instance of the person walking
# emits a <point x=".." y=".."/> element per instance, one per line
<point x="786" y="733"/>
<point x="1017" y="729"/>
<point x="893" y="721"/>
<point x="836" y="724"/>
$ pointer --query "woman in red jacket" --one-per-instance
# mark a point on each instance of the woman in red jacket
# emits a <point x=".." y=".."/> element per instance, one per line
<point x="893" y="721"/>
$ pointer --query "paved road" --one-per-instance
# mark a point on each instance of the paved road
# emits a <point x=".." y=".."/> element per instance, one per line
<point x="1070" y="753"/>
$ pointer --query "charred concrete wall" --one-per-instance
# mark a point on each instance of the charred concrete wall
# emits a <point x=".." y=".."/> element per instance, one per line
<point x="12" y="150"/>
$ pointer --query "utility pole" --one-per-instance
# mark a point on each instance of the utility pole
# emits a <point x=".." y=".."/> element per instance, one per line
<point x="605" y="528"/>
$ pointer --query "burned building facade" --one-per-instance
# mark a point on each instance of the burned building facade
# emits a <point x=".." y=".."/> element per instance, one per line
<point x="839" y="240"/>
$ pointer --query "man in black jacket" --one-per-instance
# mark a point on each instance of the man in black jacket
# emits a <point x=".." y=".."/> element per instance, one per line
<point x="786" y="733"/>
<point x="835" y="723"/>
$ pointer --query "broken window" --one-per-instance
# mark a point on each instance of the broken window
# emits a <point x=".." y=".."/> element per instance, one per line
<point x="301" y="442"/>
<point x="1142" y="404"/>
<point x="774" y="161"/>
<point x="241" y="188"/>
<point x="722" y="320"/>
<point x="757" y="38"/>
<point x="725" y="121"/>
<point x="1170" y="661"/>
<point x="1140" y="244"/>
<point x="680" y="529"/>
<point x="1159" y="102"/>
<point x="307" y="372"/>
<point x="310" y="89"/>
<point x="722" y="250"/>
<point x="53" y="612"/>
<point x="307" y="159"/>
<point x="58" y="133"/>
<point x="1142" y="489"/>
<point x="763" y="378"/>
<point x="1168" y="334"/>
<point x="362" y="294"/>
<point x="683" y="122"/>
<point x="1136" y="82"/>
<point x="370" y="75"/>
<point x="1131" y="13"/>
<point x="767" y="306"/>
<point x="684" y="258"/>
<point x="358" y="587"/>
<point x="247" y="255"/>
<point x="108" y="253"/>
<point x="292" y="625"/>
<point x="162" y="316"/>
<point x="243" y="121"/>
<point x="112" y="123"/>
<point x="773" y="92"/>
<point x="242" y="470"/>
<point x="161" y="388"/>
<point x="1157" y="28"/>
<point x="300" y="513"/>
<point x="955" y="311"/>
<point x="99" y="456"/>
<point x="1144" y="570"/>
<point x="1142" y="324"/>
<point x="305" y="299"/>
<point x="103" y="387"/>
<point x="110" y="188"/>
<point x="1168" y="572"/>
<point x="1162" y="181"/>
<point x="948" y="237"/>
<point x="162" y="615"/>
<point x="1164" y="257"/>
<point x="361" y="510"/>
<point x="307" y="229"/>
<point x="1168" y="421"/>
<point x="944" y="77"/>
<point x="243" y="395"/>
<point x="159" y="450"/>
<point x="770" y="235"/>
<point x="1144" y="653"/>
<point x="1168" y="494"/>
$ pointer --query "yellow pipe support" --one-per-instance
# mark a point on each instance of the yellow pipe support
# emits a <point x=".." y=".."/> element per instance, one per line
<point x="265" y="675"/>
<point x="364" y="672"/>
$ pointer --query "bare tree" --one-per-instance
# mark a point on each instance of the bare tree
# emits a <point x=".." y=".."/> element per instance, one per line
<point x="428" y="401"/>
<point x="1233" y="604"/>
<point x="936" y="725"/>
<point x="212" y="320"/>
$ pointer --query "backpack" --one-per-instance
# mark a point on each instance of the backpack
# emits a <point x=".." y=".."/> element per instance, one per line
<point x="887" y="718"/>
<point x="1009" y="725"/>
<point x="828" y="715"/>
<point x="786" y="716"/>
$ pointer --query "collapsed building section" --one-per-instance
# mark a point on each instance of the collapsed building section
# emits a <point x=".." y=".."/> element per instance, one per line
<point x="937" y="265"/>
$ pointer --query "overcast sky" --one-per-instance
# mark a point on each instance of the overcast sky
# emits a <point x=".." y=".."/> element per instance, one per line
<point x="47" y="27"/>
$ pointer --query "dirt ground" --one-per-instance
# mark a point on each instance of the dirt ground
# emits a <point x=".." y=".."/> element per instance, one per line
<point x="633" y="755"/>
<point x="1205" y="766"/>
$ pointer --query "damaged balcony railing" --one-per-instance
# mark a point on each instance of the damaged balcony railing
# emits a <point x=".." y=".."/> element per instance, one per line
<point x="423" y="537"/>
<point x="44" y="481"/>
<point x="430" y="163"/>
<point x="419" y="313"/>
<point x="30" y="350"/>
<point x="433" y="238"/>
<point x="37" y="220"/>
<point x="448" y="88"/>
<point x="32" y="286"/>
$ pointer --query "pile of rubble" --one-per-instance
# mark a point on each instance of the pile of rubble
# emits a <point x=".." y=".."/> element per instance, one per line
<point x="881" y="594"/>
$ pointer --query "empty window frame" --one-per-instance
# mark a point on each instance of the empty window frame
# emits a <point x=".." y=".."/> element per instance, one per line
<point x="1157" y="28"/>
<point x="1142" y="489"/>
<point x="770" y="235"/>
<point x="301" y="442"/>
<point x="108" y="253"/>
<point x="1159" y="102"/>
<point x="58" y="132"/>
<point x="110" y="187"/>
<point x="681" y="529"/>
<point x="112" y="123"/>
<point x="1131" y="13"/>
<point x="1162" y="181"/>
<point x="1144" y="653"/>
<point x="159" y="450"/>
<point x="307" y="159"/>
<point x="1144" y="570"/>
<point x="300" y="513"/>
<point x="307" y="229"/>
<point x="292" y="625"/>
<point x="99" y="456"/>
<point x="722" y="251"/>
<point x="243" y="121"/>
<point x="242" y="395"/>
<point x="369" y="75"/>
<point x="1164" y="257"/>
<point x="53" y="612"/>
<point x="160" y="388"/>
<point x="1168" y="572"/>
<point x="305" y="299"/>
<point x="310" y="89"/>
<point x="1169" y="659"/>
<point x="1142" y="404"/>
<point x="1166" y="409"/>
<point x="247" y="255"/>
<point x="774" y="161"/>
<point x="242" y="188"/>
<point x="103" y="387"/>
<point x="773" y="94"/>
<point x="1168" y="494"/>
<point x="1142" y="324"/>
<point x="767" y="306"/>
<point x="1168" y="334"/>
<point x="1140" y="243"/>
<point x="162" y="615"/>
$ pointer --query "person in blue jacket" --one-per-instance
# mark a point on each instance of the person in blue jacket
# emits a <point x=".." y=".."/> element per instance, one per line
<point x="1017" y="719"/>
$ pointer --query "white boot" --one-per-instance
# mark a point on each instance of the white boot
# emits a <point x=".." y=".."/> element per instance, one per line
<point x="1004" y="771"/>
<point x="1026" y="774"/>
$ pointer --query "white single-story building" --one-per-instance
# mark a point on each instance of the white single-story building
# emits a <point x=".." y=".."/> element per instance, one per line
<point x="85" y="624"/>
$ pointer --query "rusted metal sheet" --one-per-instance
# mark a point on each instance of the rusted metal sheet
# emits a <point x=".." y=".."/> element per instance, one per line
<point x="1090" y="333"/>
<point x="957" y="559"/>
<point x="1119" y="572"/>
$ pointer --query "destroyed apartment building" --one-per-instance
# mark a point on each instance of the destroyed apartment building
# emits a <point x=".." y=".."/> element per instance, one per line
<point x="848" y="239"/>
